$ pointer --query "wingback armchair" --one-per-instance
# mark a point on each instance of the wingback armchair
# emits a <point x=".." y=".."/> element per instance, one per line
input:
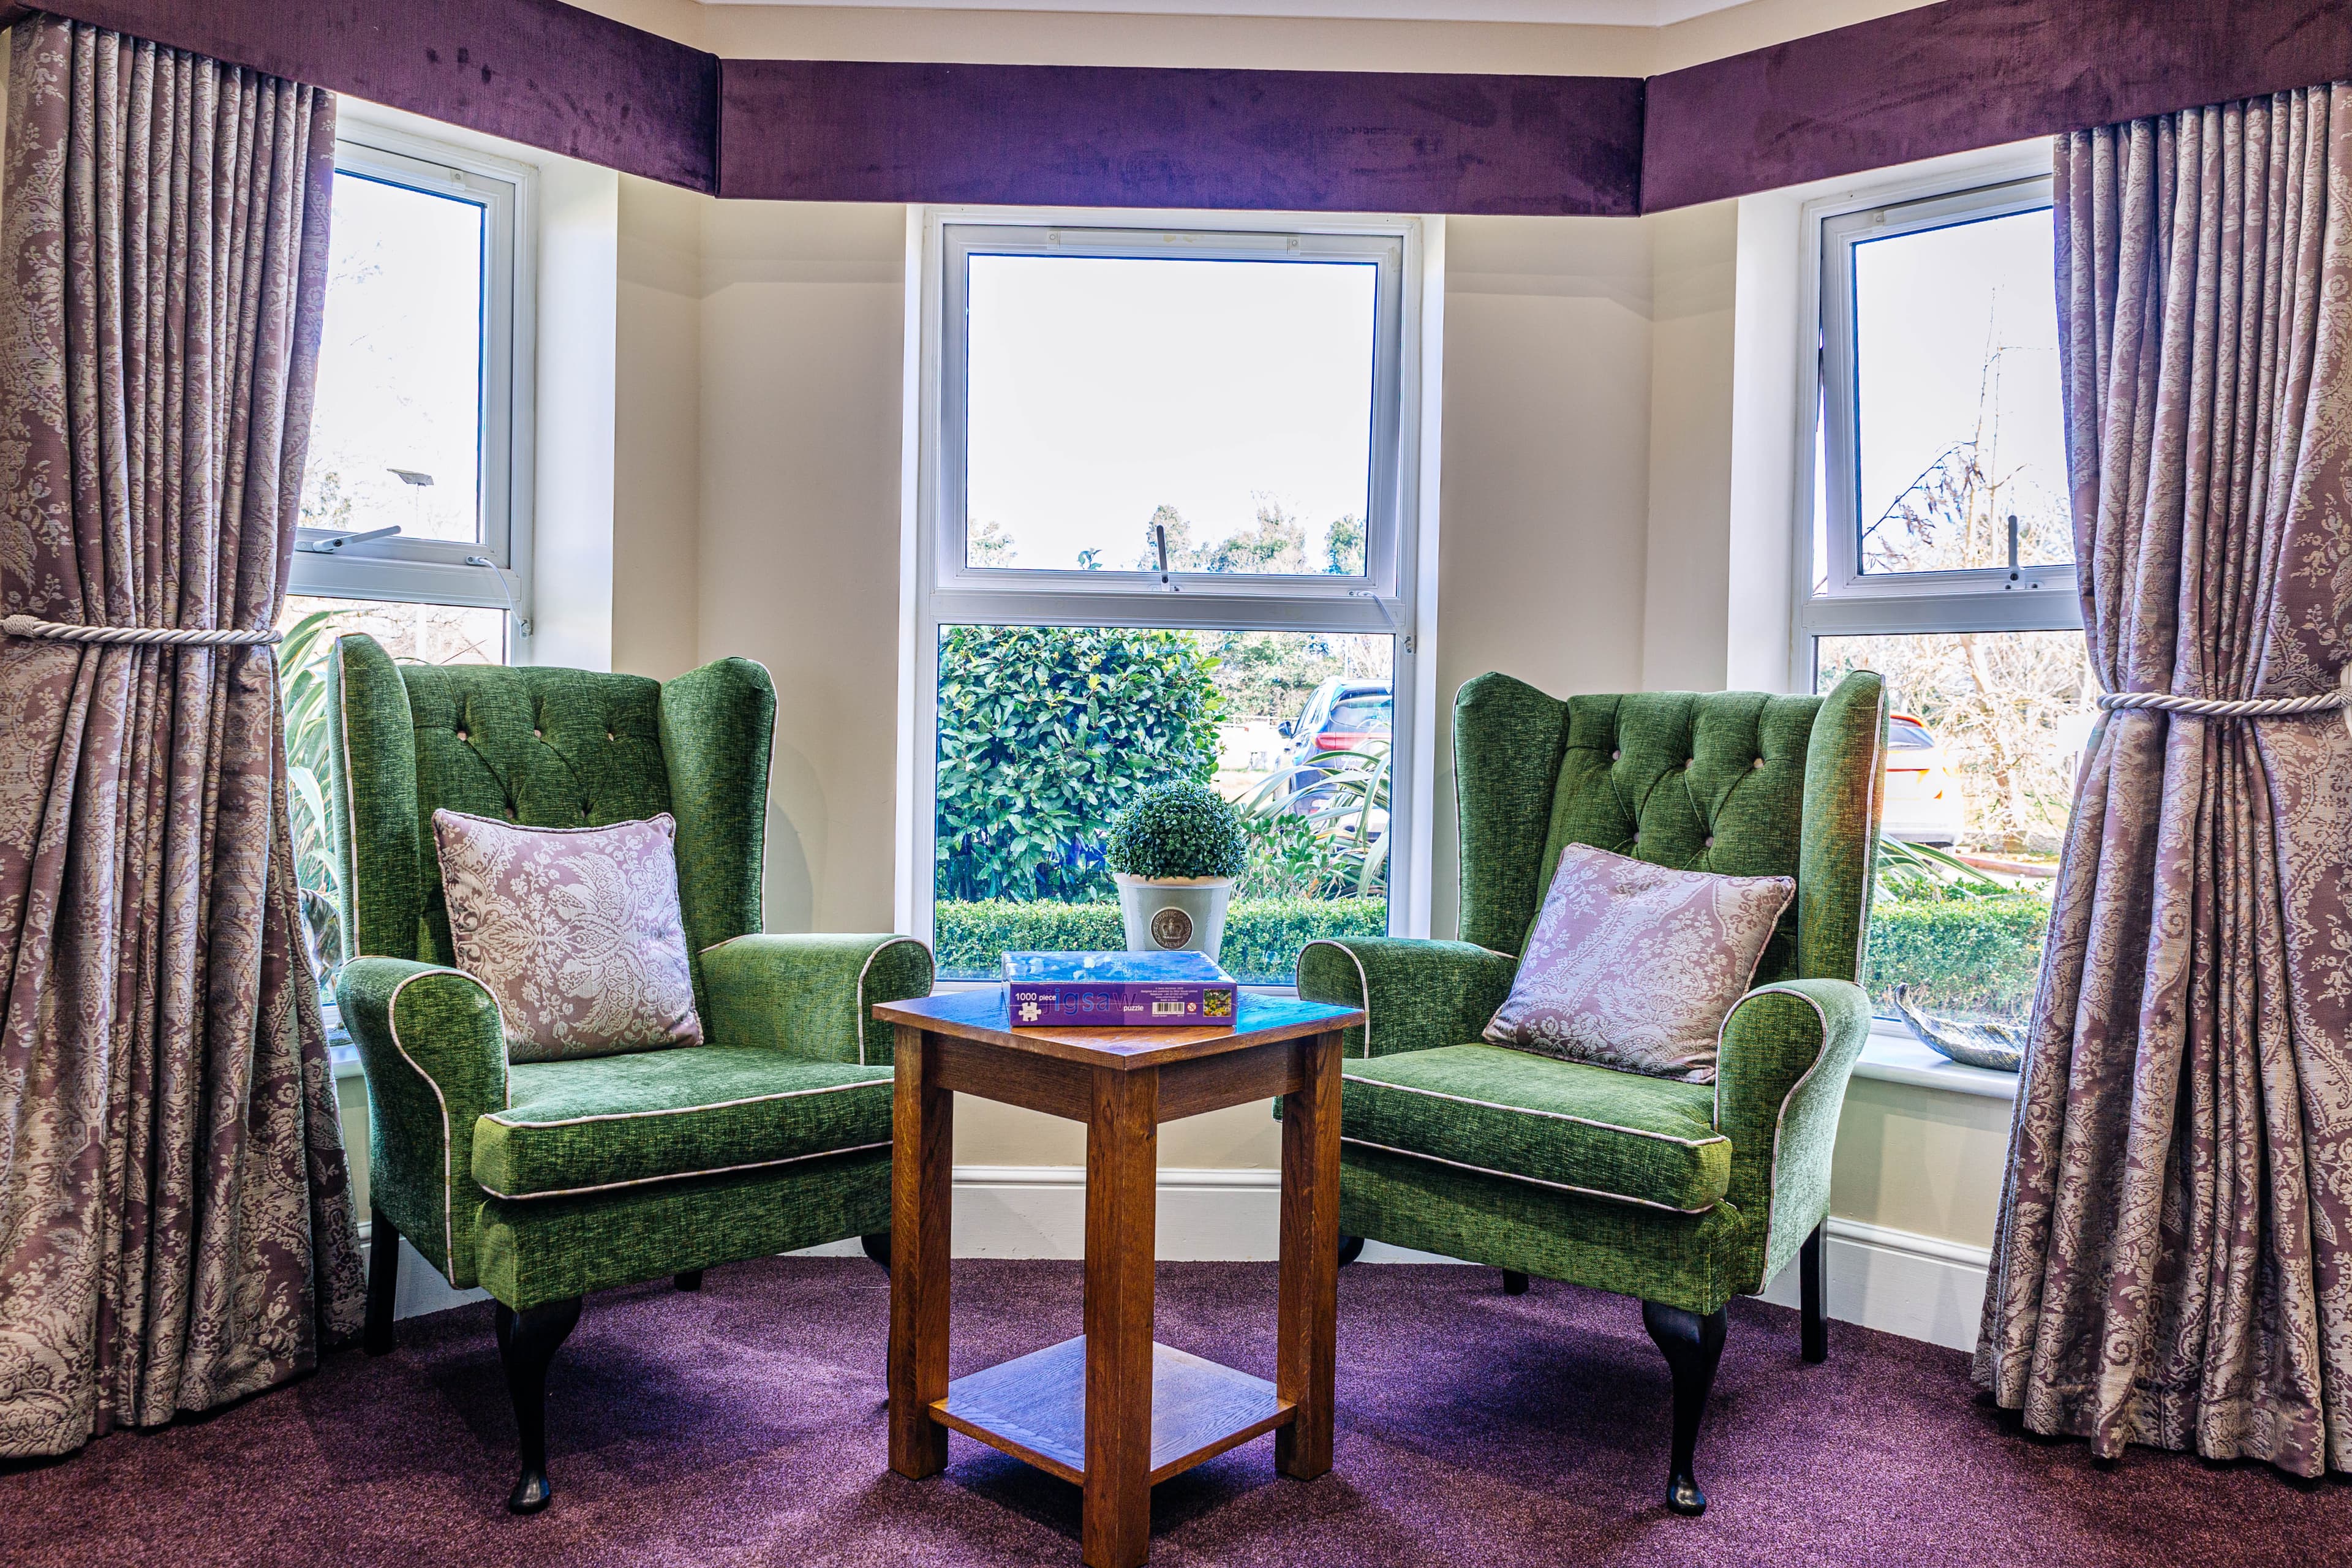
<point x="1681" y="1195"/>
<point x="541" y="1182"/>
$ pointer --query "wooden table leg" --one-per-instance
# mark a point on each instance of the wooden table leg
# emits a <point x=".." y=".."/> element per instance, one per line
<point x="1122" y="1173"/>
<point x="922" y="1173"/>
<point x="1308" y="1314"/>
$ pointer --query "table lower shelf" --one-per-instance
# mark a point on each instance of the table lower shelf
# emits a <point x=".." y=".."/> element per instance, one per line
<point x="1034" y="1408"/>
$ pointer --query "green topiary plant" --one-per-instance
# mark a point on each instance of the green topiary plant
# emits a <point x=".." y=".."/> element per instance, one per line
<point x="1180" y="829"/>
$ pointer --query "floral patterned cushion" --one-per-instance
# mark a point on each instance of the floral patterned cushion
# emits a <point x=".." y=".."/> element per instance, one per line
<point x="1635" y="966"/>
<point x="575" y="930"/>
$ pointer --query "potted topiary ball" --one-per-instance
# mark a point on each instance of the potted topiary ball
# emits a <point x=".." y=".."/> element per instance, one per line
<point x="1174" y="855"/>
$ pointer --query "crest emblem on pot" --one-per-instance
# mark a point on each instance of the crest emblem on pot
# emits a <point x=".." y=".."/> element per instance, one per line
<point x="1171" y="928"/>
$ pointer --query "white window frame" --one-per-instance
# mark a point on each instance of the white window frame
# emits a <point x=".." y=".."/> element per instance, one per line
<point x="495" y="572"/>
<point x="1394" y="597"/>
<point x="1850" y="602"/>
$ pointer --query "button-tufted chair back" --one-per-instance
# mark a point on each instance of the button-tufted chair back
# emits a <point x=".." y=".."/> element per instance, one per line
<point x="1739" y="783"/>
<point x="546" y="748"/>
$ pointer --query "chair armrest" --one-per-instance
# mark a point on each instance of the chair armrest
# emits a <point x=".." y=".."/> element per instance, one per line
<point x="1416" y="995"/>
<point x="1786" y="1052"/>
<point x="435" y="1054"/>
<point x="811" y="995"/>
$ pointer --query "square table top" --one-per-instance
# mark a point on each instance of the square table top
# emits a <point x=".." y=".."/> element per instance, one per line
<point x="981" y="1013"/>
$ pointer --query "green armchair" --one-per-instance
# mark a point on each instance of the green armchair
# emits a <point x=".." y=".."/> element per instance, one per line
<point x="1681" y="1195"/>
<point x="541" y="1182"/>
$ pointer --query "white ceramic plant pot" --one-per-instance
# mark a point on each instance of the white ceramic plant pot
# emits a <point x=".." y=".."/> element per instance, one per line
<point x="1174" y="914"/>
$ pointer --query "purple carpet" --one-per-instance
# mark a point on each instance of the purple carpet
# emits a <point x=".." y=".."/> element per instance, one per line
<point x="1475" y="1430"/>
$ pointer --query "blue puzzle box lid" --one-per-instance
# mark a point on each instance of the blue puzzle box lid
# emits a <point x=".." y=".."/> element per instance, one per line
<point x="1114" y="968"/>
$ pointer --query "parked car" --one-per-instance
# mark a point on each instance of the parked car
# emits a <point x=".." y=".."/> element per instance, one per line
<point x="1923" y="795"/>
<point x="1339" y="716"/>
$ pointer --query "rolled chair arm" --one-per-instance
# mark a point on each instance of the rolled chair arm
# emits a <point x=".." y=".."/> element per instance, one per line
<point x="435" y="1054"/>
<point x="1786" y="1051"/>
<point x="811" y="993"/>
<point x="1416" y="995"/>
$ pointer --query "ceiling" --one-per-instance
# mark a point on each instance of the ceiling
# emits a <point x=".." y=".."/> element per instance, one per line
<point x="1588" y="12"/>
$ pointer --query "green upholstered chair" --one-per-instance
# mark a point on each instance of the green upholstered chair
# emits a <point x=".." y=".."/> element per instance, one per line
<point x="1681" y="1195"/>
<point x="541" y="1182"/>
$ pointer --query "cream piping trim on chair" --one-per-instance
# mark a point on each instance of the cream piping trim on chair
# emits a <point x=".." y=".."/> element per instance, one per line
<point x="1870" y="839"/>
<point x="1531" y="1111"/>
<point x="680" y="1175"/>
<point x="1514" y="1176"/>
<point x="1363" y="986"/>
<point x="500" y="1117"/>
<point x="857" y="1020"/>
<point x="449" y="1169"/>
<point x="1772" y="1161"/>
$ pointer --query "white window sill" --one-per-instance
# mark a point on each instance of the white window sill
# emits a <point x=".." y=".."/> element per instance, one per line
<point x="1893" y="1055"/>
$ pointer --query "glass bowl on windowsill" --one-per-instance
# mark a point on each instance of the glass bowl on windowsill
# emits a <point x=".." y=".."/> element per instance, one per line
<point x="1996" y="1047"/>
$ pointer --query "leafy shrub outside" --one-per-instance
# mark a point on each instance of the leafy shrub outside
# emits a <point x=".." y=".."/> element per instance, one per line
<point x="1044" y="734"/>
<point x="1962" y="955"/>
<point x="1263" y="936"/>
<point x="1320" y="831"/>
<point x="302" y="683"/>
<point x="1180" y="829"/>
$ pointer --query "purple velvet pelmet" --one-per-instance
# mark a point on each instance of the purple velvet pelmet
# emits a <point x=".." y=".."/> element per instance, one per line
<point x="536" y="71"/>
<point x="1106" y="136"/>
<point x="1967" y="74"/>
<point x="1936" y="79"/>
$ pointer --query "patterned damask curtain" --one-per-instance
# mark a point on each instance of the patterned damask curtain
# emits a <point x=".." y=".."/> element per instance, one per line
<point x="2174" y="1265"/>
<point x="176" y="1224"/>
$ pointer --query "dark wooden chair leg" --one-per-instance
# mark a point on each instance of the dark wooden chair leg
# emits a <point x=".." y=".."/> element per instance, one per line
<point x="1351" y="1248"/>
<point x="1514" y="1282"/>
<point x="526" y="1343"/>
<point x="1814" y="1283"/>
<point x="876" y="1246"/>
<point x="687" y="1279"/>
<point x="1693" y="1346"/>
<point x="384" y="1283"/>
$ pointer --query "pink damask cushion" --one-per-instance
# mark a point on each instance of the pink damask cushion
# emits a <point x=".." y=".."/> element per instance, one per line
<point x="1635" y="966"/>
<point x="575" y="930"/>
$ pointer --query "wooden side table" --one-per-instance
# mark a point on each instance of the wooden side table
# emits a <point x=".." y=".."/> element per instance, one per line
<point x="1111" y="1410"/>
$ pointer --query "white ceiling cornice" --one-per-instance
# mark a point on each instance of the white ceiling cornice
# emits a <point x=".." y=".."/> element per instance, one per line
<point x="1570" y="13"/>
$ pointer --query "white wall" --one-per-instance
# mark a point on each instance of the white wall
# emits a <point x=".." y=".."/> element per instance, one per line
<point x="657" y="420"/>
<point x="1546" y="500"/>
<point x="571" y="532"/>
<point x="799" y="561"/>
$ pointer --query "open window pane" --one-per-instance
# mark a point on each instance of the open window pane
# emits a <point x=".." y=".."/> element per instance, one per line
<point x="1230" y="402"/>
<point x="1046" y="733"/>
<point x="395" y="439"/>
<point x="1983" y="746"/>
<point x="1958" y="420"/>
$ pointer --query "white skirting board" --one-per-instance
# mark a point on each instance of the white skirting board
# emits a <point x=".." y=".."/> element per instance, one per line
<point x="1920" y="1286"/>
<point x="1900" y="1282"/>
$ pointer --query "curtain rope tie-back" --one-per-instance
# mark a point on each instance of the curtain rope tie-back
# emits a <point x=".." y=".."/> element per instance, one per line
<point x="30" y="627"/>
<point x="2339" y="699"/>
